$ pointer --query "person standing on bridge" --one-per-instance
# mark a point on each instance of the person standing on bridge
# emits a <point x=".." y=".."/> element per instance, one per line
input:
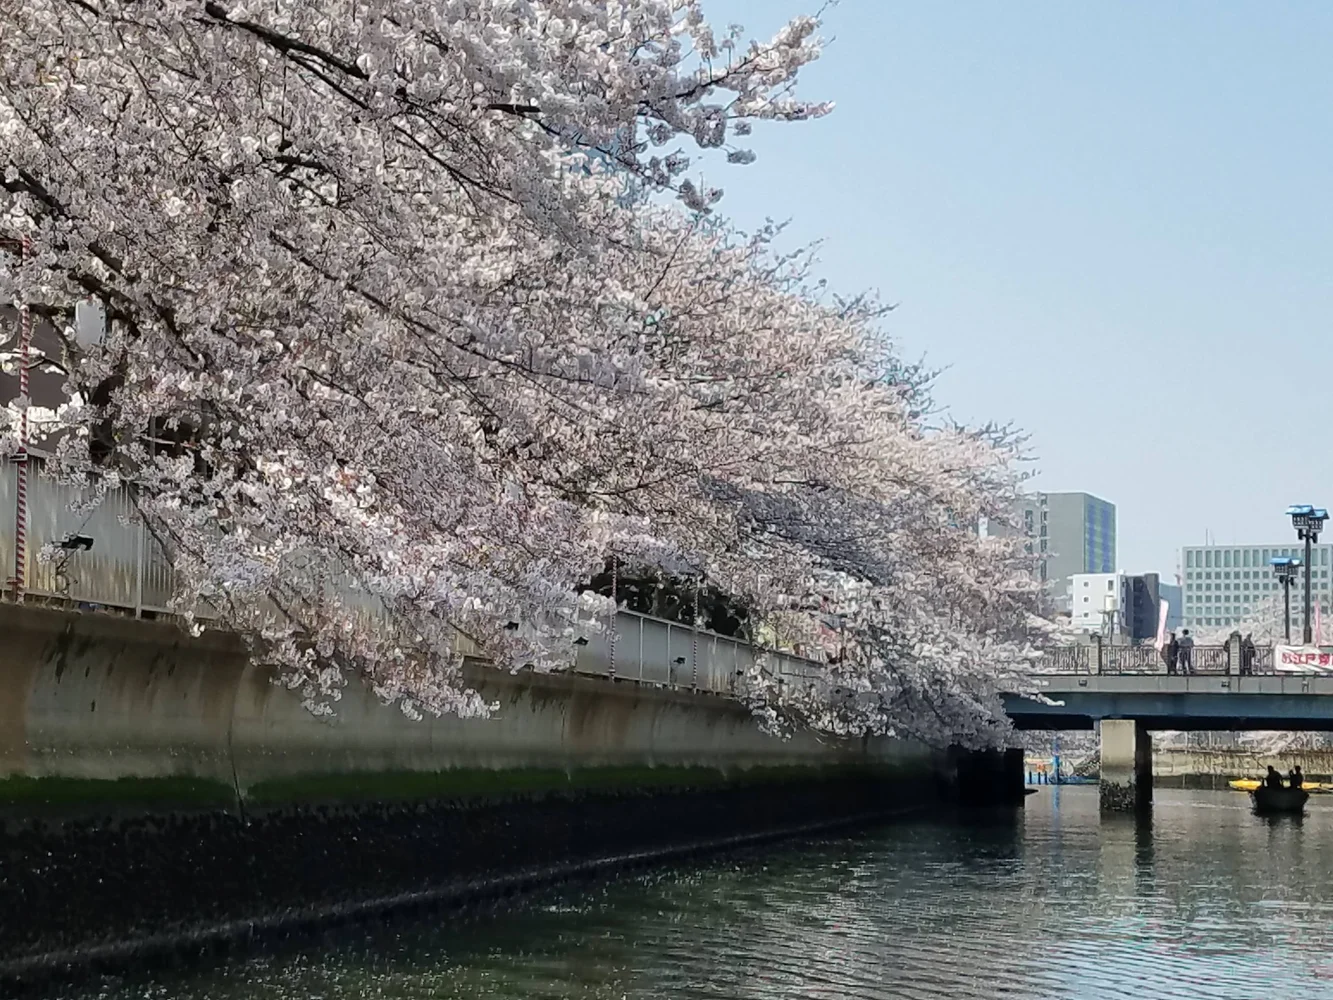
<point x="1172" y="653"/>
<point x="1185" y="655"/>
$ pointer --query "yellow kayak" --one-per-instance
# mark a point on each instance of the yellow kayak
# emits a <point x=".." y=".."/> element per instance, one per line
<point x="1250" y="784"/>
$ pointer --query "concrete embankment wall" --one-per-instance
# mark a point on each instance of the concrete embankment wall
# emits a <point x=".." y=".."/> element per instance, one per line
<point x="158" y="788"/>
<point x="1204" y="768"/>
<point x="87" y="697"/>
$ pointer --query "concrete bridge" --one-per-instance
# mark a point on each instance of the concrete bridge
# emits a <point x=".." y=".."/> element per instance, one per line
<point x="1128" y="706"/>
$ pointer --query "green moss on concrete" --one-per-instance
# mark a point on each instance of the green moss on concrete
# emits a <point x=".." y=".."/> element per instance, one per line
<point x="63" y="794"/>
<point x="67" y="792"/>
<point x="473" y="783"/>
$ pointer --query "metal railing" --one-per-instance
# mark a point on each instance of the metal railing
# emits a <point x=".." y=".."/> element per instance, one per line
<point x="1104" y="658"/>
<point x="669" y="654"/>
<point x="126" y="570"/>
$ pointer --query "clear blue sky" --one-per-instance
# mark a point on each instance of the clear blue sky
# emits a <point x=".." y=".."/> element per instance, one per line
<point x="1113" y="223"/>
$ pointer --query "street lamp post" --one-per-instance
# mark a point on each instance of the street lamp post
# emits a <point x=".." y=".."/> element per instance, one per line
<point x="1286" y="568"/>
<point x="1307" y="521"/>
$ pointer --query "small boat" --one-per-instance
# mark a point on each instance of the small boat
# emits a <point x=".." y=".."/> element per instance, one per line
<point x="1250" y="784"/>
<point x="1279" y="800"/>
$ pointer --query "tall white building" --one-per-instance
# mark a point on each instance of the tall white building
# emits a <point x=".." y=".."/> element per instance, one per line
<point x="1224" y="584"/>
<point x="1095" y="601"/>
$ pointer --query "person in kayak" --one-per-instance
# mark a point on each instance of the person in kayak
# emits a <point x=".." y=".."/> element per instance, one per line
<point x="1273" y="779"/>
<point x="1294" y="777"/>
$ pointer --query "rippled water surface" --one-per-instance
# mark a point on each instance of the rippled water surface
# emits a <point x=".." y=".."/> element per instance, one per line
<point x="1205" y="901"/>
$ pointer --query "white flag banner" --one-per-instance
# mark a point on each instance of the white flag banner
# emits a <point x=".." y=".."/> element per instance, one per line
<point x="1161" y="626"/>
<point x="1302" y="660"/>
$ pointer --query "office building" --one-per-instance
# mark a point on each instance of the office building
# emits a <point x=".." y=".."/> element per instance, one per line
<point x="1225" y="584"/>
<point x="1072" y="532"/>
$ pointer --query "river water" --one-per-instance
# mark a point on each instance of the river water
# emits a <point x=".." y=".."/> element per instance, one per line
<point x="1204" y="901"/>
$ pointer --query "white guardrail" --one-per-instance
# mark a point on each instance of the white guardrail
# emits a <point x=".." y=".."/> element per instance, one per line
<point x="126" y="570"/>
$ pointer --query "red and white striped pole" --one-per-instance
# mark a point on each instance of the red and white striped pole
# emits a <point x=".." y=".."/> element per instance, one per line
<point x="21" y="455"/>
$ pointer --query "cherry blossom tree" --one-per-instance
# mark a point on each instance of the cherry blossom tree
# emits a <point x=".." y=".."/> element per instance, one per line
<point x="1265" y="623"/>
<point x="403" y="344"/>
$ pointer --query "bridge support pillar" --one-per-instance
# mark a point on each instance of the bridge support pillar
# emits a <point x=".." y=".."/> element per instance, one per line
<point x="1126" y="766"/>
<point x="988" y="777"/>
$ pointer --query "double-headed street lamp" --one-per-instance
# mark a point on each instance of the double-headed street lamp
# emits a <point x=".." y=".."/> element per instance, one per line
<point x="1286" y="569"/>
<point x="1307" y="521"/>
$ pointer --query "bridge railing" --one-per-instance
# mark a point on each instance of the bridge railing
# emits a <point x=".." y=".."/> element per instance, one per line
<point x="1112" y="660"/>
<point x="127" y="571"/>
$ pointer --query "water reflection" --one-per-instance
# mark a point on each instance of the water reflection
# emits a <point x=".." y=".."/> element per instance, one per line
<point x="1201" y="899"/>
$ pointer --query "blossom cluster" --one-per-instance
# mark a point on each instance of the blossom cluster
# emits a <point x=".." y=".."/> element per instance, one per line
<point x="405" y="343"/>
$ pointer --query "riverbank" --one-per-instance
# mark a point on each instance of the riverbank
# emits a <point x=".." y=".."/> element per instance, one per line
<point x="99" y="895"/>
<point x="160" y="793"/>
<point x="1202" y="898"/>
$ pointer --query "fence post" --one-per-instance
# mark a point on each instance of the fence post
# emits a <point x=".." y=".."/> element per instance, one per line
<point x="21" y="458"/>
<point x="641" y="621"/>
<point x="1098" y="639"/>
<point x="615" y="621"/>
<point x="1234" y="653"/>
<point x="138" y="571"/>
<point x="694" y="641"/>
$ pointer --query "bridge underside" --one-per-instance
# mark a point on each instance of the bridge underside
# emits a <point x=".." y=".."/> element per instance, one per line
<point x="1185" y="703"/>
<point x="1184" y="723"/>
<point x="1129" y="708"/>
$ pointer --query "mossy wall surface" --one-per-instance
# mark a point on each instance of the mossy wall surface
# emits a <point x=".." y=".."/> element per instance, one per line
<point x="157" y="789"/>
<point x="100" y="710"/>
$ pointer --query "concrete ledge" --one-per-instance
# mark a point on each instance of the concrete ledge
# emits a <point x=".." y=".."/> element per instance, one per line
<point x="99" y="708"/>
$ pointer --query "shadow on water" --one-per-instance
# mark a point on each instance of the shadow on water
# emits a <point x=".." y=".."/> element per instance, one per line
<point x="1050" y="902"/>
<point x="1280" y="819"/>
